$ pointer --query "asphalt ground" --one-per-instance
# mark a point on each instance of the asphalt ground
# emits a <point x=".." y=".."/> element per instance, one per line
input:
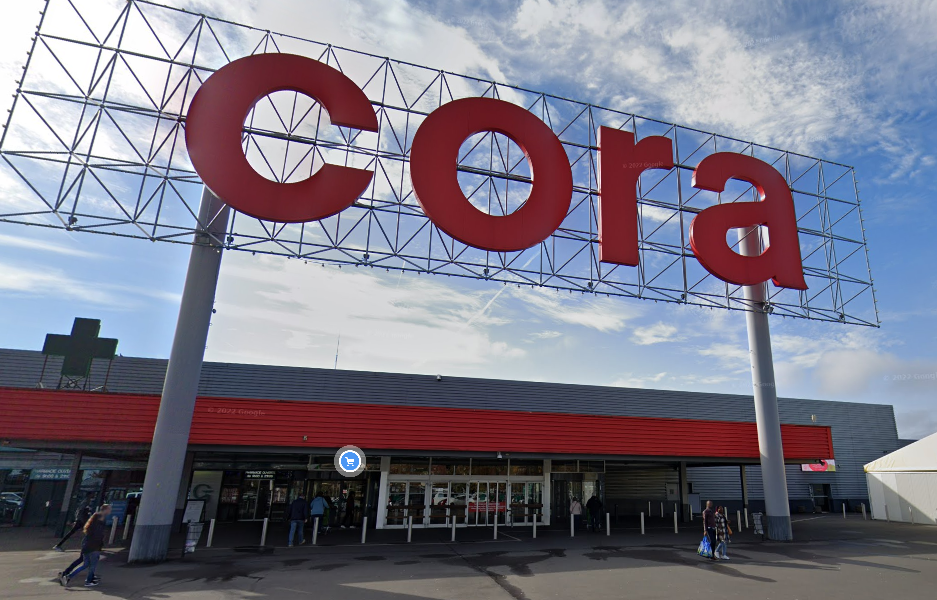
<point x="830" y="558"/>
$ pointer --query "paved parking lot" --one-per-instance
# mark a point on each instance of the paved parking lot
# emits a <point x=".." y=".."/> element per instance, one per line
<point x="832" y="558"/>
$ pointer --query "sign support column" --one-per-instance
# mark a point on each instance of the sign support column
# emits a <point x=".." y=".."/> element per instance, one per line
<point x="171" y="436"/>
<point x="774" y="479"/>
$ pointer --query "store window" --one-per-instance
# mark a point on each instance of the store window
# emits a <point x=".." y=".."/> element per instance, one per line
<point x="489" y="467"/>
<point x="442" y="466"/>
<point x="409" y="466"/>
<point x="592" y="466"/>
<point x="565" y="466"/>
<point x="526" y="467"/>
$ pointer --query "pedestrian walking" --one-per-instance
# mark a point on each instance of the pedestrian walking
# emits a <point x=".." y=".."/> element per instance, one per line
<point x="709" y="527"/>
<point x="349" y="520"/>
<point x="82" y="514"/>
<point x="575" y="509"/>
<point x="91" y="547"/>
<point x="298" y="514"/>
<point x="723" y="531"/>
<point x="318" y="508"/>
<point x="594" y="506"/>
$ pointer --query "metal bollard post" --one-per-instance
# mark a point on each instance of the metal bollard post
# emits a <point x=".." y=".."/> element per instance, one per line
<point x="113" y="531"/>
<point x="211" y="533"/>
<point x="364" y="529"/>
<point x="642" y="522"/>
<point x="887" y="520"/>
<point x="453" y="528"/>
<point x="409" y="528"/>
<point x="675" y="521"/>
<point x="844" y="510"/>
<point x="496" y="525"/>
<point x="127" y="527"/>
<point x="263" y="532"/>
<point x="572" y="526"/>
<point x="315" y="530"/>
<point x="739" y="515"/>
<point x="661" y="510"/>
<point x="911" y="512"/>
<point x="608" y="524"/>
<point x="536" y="518"/>
<point x="864" y="517"/>
<point x="746" y="518"/>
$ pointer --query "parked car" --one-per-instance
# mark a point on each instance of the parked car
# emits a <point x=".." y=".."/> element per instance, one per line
<point x="15" y="498"/>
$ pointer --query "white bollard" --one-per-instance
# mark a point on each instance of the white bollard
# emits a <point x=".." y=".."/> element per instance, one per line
<point x="572" y="526"/>
<point x="364" y="529"/>
<point x="746" y="518"/>
<point x="496" y="525"/>
<point x="211" y="533"/>
<point x="844" y="510"/>
<point x="453" y="528"/>
<point x="315" y="530"/>
<point x="113" y="531"/>
<point x="661" y="510"/>
<point x="675" y="521"/>
<point x="536" y="518"/>
<point x="911" y="512"/>
<point x="864" y="517"/>
<point x="127" y="527"/>
<point x="739" y="515"/>
<point x="887" y="520"/>
<point x="642" y="523"/>
<point x="263" y="532"/>
<point x="608" y="524"/>
<point x="409" y="528"/>
<point x="649" y="508"/>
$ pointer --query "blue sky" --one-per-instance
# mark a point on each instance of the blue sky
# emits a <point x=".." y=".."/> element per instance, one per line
<point x="850" y="82"/>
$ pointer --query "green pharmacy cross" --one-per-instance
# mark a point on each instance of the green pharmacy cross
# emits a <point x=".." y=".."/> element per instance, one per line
<point x="79" y="349"/>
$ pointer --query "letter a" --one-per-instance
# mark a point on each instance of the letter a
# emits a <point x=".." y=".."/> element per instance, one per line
<point x="780" y="260"/>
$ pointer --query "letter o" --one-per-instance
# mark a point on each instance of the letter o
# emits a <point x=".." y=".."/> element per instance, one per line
<point x="214" y="127"/>
<point x="434" y="157"/>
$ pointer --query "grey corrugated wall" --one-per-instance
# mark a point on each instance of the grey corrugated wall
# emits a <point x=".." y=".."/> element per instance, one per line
<point x="861" y="432"/>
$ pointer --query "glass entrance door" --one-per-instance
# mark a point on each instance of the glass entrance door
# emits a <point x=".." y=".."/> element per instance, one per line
<point x="406" y="498"/>
<point x="254" y="503"/>
<point x="487" y="501"/>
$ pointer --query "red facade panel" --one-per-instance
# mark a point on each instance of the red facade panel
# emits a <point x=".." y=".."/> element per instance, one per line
<point x="66" y="416"/>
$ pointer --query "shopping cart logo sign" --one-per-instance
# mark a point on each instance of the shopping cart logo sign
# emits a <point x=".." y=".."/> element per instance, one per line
<point x="350" y="461"/>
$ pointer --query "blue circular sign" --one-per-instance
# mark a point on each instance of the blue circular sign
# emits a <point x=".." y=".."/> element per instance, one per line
<point x="349" y="461"/>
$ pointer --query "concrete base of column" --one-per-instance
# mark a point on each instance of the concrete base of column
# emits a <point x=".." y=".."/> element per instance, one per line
<point x="778" y="528"/>
<point x="150" y="543"/>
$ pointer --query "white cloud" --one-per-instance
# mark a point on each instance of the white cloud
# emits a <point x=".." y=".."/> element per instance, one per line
<point x="26" y="243"/>
<point x="630" y="380"/>
<point x="655" y="334"/>
<point x="602" y="314"/>
<point x="293" y="313"/>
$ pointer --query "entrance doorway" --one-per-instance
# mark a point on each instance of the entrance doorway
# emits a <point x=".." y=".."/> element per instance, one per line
<point x="487" y="502"/>
<point x="254" y="503"/>
<point x="821" y="495"/>
<point x="565" y="487"/>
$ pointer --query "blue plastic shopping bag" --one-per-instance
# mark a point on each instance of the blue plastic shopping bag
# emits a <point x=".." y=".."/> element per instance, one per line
<point x="705" y="548"/>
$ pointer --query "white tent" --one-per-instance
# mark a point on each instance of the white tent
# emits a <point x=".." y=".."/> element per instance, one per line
<point x="903" y="484"/>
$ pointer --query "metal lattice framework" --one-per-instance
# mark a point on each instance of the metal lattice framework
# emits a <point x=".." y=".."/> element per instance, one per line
<point x="95" y="143"/>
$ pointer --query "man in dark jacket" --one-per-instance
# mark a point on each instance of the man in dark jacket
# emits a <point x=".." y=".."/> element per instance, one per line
<point x="298" y="515"/>
<point x="82" y="514"/>
<point x="594" y="506"/>
<point x="709" y="527"/>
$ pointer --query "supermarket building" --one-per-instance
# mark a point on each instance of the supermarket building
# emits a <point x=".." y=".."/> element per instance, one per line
<point x="437" y="447"/>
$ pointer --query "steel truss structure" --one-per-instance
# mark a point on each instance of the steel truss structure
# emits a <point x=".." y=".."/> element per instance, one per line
<point x="95" y="143"/>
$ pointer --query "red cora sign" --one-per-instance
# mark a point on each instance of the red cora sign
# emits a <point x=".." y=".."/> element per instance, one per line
<point x="215" y="122"/>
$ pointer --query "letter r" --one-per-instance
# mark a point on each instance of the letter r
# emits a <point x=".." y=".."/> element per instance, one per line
<point x="621" y="163"/>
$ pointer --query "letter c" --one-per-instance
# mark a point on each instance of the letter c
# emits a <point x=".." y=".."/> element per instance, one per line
<point x="214" y="127"/>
